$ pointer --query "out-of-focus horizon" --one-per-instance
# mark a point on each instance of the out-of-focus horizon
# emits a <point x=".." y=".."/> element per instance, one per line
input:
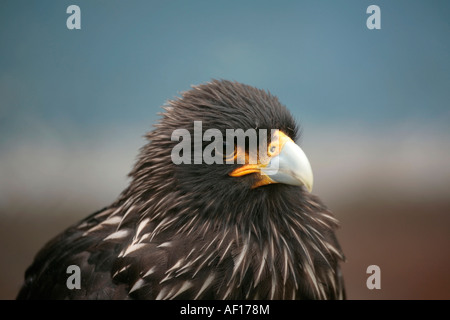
<point x="373" y="106"/>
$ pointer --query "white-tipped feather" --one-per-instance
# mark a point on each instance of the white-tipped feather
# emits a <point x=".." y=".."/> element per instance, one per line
<point x="149" y="272"/>
<point x="118" y="235"/>
<point x="205" y="285"/>
<point x="133" y="248"/>
<point x="186" y="286"/>
<point x="113" y="220"/>
<point x="137" y="285"/>
<point x="121" y="270"/>
<point x="141" y="226"/>
<point x="165" y="244"/>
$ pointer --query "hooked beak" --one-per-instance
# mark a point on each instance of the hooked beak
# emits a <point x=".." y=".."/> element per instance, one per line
<point x="288" y="165"/>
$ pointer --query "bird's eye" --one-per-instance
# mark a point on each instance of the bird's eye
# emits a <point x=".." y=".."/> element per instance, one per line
<point x="228" y="150"/>
<point x="272" y="149"/>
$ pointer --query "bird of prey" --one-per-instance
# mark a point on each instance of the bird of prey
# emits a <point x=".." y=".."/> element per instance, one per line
<point x="200" y="230"/>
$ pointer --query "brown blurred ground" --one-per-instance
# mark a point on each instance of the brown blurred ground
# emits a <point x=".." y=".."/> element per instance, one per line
<point x="410" y="243"/>
<point x="408" y="240"/>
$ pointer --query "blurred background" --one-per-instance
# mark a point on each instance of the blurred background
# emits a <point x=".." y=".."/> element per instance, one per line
<point x="373" y="105"/>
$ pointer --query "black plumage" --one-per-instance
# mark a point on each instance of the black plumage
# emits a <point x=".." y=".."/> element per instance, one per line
<point x="196" y="231"/>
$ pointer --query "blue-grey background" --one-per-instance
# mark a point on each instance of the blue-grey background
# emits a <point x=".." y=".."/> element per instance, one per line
<point x="373" y="105"/>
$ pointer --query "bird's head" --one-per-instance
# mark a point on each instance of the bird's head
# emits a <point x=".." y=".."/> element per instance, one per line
<point x="222" y="142"/>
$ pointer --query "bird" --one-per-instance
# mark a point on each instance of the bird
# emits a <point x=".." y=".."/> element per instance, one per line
<point x="193" y="230"/>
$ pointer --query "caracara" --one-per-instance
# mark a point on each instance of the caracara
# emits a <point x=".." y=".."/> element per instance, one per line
<point x="187" y="229"/>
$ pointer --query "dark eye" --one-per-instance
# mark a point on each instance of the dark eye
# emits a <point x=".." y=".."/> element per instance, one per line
<point x="272" y="149"/>
<point x="223" y="149"/>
